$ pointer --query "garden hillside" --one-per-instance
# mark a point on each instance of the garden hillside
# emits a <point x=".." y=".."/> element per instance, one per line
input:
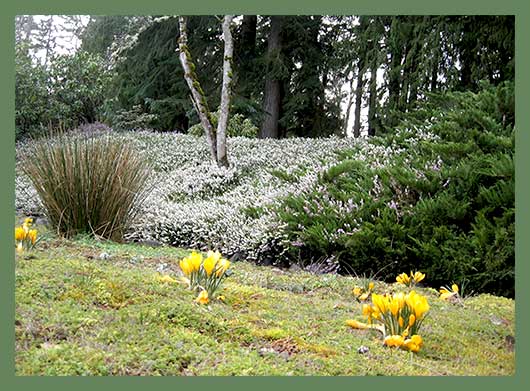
<point x="87" y="307"/>
<point x="435" y="194"/>
<point x="265" y="195"/>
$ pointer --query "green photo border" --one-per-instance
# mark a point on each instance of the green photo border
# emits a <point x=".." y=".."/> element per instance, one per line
<point x="519" y="8"/>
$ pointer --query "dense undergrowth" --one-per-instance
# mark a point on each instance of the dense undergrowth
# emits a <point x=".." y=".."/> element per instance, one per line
<point x="78" y="313"/>
<point x="437" y="194"/>
<point x="445" y="206"/>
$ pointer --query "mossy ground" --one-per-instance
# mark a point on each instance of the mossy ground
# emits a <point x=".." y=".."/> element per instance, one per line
<point x="77" y="314"/>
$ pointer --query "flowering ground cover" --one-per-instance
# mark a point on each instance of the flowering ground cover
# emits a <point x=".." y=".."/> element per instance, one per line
<point x="100" y="308"/>
<point x="195" y="204"/>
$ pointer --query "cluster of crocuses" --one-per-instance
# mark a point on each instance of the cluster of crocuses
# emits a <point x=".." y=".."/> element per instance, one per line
<point x="401" y="316"/>
<point x="25" y="237"/>
<point x="398" y="317"/>
<point x="362" y="293"/>
<point x="204" y="274"/>
<point x="410" y="280"/>
<point x="450" y="294"/>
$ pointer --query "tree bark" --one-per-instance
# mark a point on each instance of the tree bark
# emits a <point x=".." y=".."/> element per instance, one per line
<point x="372" y="101"/>
<point x="271" y="99"/>
<point x="245" y="53"/>
<point x="196" y="91"/>
<point x="222" y="158"/>
<point x="358" y="100"/>
<point x="248" y="33"/>
<point x="348" y="108"/>
<point x="467" y="54"/>
<point x="394" y="70"/>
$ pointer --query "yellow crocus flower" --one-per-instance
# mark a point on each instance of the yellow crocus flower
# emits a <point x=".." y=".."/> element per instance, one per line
<point x="379" y="302"/>
<point x="446" y="295"/>
<point x="209" y="265"/>
<point x="216" y="255"/>
<point x="412" y="319"/>
<point x="403" y="278"/>
<point x="394" y="340"/>
<point x="367" y="311"/>
<point x="364" y="296"/>
<point x="185" y="266"/>
<point x="32" y="235"/>
<point x="417" y="303"/>
<point x="413" y="344"/>
<point x="195" y="260"/>
<point x="417" y="340"/>
<point x="371" y="286"/>
<point x="400" y="299"/>
<point x="418" y="276"/>
<point x="224" y="264"/>
<point x="357" y="291"/>
<point x="202" y="298"/>
<point x="421" y="309"/>
<point x="19" y="234"/>
<point x="394" y="306"/>
<point x="357" y="325"/>
<point x="400" y="321"/>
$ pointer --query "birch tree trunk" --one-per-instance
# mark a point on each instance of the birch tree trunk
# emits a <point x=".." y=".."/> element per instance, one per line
<point x="222" y="158"/>
<point x="197" y="93"/>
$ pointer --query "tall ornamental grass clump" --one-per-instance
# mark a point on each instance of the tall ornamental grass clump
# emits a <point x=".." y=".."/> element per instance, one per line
<point x="87" y="184"/>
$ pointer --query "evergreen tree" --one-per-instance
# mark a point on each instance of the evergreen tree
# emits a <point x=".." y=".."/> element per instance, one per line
<point x="272" y="94"/>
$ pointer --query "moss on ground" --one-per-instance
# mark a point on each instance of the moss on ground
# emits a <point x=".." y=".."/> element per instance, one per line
<point x="78" y="314"/>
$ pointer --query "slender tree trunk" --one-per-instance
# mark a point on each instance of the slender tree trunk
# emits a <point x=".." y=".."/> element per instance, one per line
<point x="394" y="70"/>
<point x="222" y="159"/>
<point x="248" y="33"/>
<point x="405" y="79"/>
<point x="271" y="99"/>
<point x="434" y="74"/>
<point x="467" y="55"/>
<point x="348" y="108"/>
<point x="358" y="100"/>
<point x="197" y="93"/>
<point x="372" y="102"/>
<point x="245" y="48"/>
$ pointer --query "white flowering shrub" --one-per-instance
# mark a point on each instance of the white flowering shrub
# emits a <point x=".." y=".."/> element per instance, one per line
<point x="197" y="204"/>
<point x="193" y="203"/>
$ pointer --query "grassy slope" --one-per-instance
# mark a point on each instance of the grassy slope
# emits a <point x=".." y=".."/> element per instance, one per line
<point x="78" y="314"/>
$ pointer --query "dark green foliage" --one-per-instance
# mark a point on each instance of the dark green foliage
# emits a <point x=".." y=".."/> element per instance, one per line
<point x="319" y="57"/>
<point x="31" y="95"/>
<point x="102" y="31"/>
<point x="70" y="92"/>
<point x="238" y="126"/>
<point x="438" y="53"/>
<point x="132" y="119"/>
<point x="87" y="184"/>
<point x="445" y="207"/>
<point x="149" y="74"/>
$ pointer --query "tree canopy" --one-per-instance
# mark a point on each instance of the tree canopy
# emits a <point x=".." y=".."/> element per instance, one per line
<point x="294" y="75"/>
